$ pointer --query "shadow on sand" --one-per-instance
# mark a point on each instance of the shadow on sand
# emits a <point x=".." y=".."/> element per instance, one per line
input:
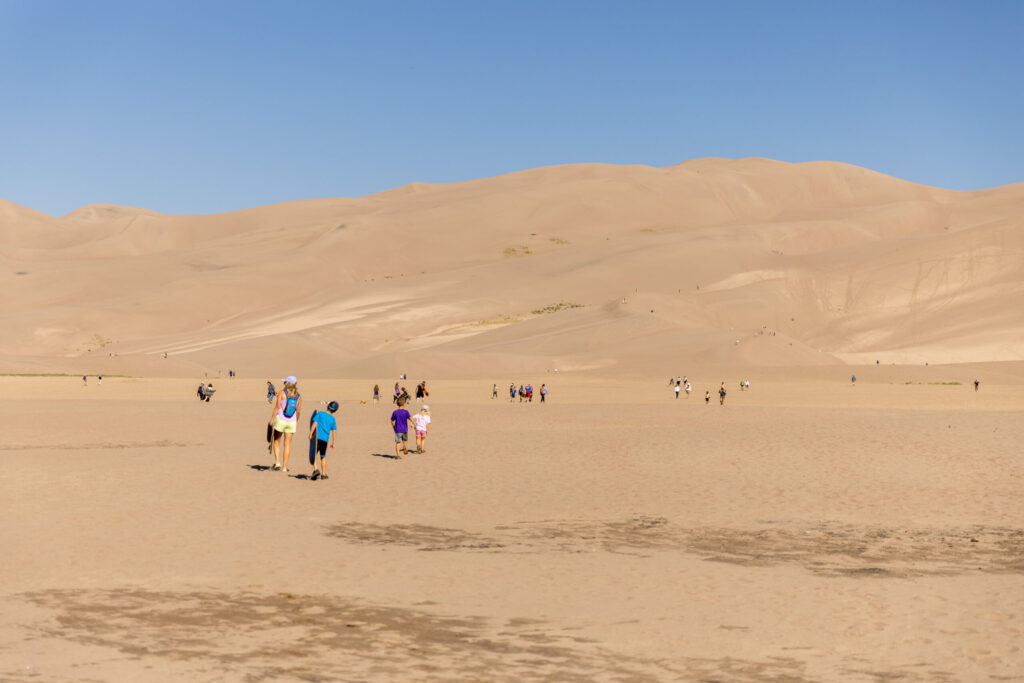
<point x="386" y="455"/>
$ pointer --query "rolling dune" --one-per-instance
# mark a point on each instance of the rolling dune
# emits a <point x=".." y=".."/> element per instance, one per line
<point x="841" y="263"/>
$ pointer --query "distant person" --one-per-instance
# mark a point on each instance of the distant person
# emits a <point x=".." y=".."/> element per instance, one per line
<point x="687" y="389"/>
<point x="271" y="392"/>
<point x="494" y="391"/>
<point x="398" y="392"/>
<point x="99" y="379"/>
<point x="201" y="392"/>
<point x="400" y="420"/>
<point x="511" y="392"/>
<point x="707" y="397"/>
<point x="746" y="384"/>
<point x="419" y="392"/>
<point x="976" y="383"/>
<point x="323" y="429"/>
<point x="284" y="417"/>
<point x="543" y="393"/>
<point x="85" y="380"/>
<point x="721" y="394"/>
<point x="376" y="394"/>
<point x="677" y="391"/>
<point x="853" y="380"/>
<point x="208" y="392"/>
<point x="422" y="422"/>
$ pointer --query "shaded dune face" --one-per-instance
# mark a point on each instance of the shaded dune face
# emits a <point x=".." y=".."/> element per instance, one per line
<point x="749" y="262"/>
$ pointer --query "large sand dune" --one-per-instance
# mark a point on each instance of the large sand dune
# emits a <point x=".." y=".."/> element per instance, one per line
<point x="841" y="263"/>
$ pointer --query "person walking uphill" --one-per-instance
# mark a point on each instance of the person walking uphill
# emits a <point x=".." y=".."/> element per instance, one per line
<point x="400" y="420"/>
<point x="284" y="417"/>
<point x="323" y="429"/>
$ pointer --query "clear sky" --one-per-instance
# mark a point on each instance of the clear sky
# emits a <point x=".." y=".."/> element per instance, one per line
<point x="201" y="107"/>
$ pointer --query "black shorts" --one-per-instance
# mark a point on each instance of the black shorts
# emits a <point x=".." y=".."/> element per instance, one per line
<point x="321" y="448"/>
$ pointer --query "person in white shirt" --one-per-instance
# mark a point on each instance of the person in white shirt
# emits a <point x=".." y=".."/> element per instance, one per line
<point x="422" y="420"/>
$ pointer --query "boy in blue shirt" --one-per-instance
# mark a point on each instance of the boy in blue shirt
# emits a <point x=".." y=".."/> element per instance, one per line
<point x="323" y="429"/>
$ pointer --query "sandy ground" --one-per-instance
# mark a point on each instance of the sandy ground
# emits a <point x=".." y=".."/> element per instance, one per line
<point x="807" y="530"/>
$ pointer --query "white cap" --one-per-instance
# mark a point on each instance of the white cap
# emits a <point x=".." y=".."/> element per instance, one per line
<point x="290" y="379"/>
<point x="425" y="407"/>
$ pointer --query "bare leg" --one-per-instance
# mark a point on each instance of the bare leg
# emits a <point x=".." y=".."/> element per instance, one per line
<point x="287" y="448"/>
<point x="276" y="447"/>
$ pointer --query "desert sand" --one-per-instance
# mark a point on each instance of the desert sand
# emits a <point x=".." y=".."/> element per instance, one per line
<point x="809" y="529"/>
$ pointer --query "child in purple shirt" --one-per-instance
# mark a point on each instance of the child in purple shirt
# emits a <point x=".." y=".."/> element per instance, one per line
<point x="400" y="420"/>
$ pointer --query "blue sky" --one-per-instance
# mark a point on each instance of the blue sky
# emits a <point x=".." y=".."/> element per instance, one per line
<point x="201" y="107"/>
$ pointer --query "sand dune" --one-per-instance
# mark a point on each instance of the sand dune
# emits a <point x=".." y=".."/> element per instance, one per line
<point x="845" y="263"/>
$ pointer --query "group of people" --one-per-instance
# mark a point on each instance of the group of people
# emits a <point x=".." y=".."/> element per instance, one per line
<point x="401" y="393"/>
<point x="524" y="392"/>
<point x="682" y="384"/>
<point x="205" y="391"/>
<point x="286" y="408"/>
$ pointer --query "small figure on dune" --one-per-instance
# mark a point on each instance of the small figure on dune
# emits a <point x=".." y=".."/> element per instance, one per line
<point x="494" y="391"/>
<point x="543" y="393"/>
<point x="976" y="383"/>
<point x="707" y="397"/>
<point x="271" y="391"/>
<point x="688" y="389"/>
<point x="376" y="394"/>
<point x="853" y="380"/>
<point x="677" y="391"/>
<point x="721" y="394"/>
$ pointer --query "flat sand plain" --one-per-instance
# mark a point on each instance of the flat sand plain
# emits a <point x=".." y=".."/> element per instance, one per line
<point x="806" y="530"/>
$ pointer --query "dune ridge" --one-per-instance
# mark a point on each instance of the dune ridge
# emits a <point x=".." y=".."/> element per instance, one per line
<point x="745" y="262"/>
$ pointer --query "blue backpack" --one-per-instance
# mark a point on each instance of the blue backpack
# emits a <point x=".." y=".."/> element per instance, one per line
<point x="291" y="406"/>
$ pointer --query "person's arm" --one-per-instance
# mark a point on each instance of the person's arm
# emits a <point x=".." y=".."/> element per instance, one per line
<point x="312" y="431"/>
<point x="298" y="408"/>
<point x="333" y="433"/>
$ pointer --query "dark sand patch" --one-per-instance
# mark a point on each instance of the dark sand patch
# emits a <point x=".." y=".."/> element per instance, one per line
<point x="322" y="638"/>
<point x="828" y="549"/>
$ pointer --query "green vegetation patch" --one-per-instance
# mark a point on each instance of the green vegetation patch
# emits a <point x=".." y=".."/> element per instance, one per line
<point x="554" y="308"/>
<point x="512" y="252"/>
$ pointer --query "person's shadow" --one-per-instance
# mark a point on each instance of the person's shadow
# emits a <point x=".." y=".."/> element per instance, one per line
<point x="386" y="455"/>
<point x="260" y="468"/>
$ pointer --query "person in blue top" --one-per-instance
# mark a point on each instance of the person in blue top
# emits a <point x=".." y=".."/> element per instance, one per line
<point x="323" y="429"/>
<point x="400" y="420"/>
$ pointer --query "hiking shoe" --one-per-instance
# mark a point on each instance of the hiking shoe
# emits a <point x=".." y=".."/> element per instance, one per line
<point x="316" y="475"/>
<point x="323" y="476"/>
<point x="276" y="466"/>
